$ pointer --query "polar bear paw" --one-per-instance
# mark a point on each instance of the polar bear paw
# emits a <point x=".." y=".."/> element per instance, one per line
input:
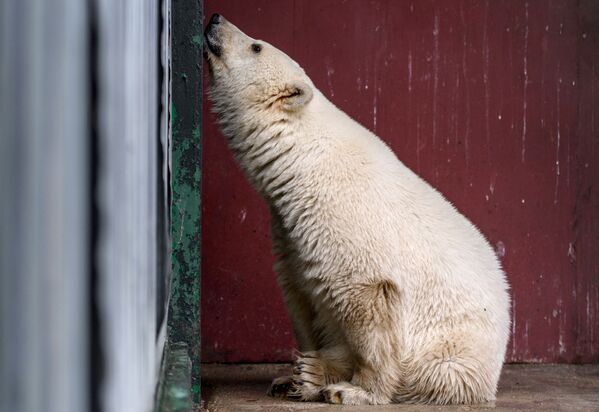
<point x="307" y="381"/>
<point x="344" y="393"/>
<point x="280" y="387"/>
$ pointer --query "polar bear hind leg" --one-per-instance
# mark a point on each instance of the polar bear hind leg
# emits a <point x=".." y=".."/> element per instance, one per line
<point x="447" y="375"/>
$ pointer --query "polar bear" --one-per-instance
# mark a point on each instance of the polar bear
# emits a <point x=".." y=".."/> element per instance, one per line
<point x="394" y="296"/>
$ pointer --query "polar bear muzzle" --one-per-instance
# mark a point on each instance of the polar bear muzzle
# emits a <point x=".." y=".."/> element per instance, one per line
<point x="211" y="34"/>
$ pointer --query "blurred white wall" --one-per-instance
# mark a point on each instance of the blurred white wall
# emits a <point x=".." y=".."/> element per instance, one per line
<point x="129" y="103"/>
<point x="44" y="206"/>
<point x="84" y="246"/>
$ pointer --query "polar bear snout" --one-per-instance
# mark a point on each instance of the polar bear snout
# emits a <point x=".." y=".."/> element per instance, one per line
<point x="212" y="36"/>
<point x="215" y="19"/>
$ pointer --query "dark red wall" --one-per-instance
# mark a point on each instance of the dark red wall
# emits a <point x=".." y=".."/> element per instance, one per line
<point x="491" y="102"/>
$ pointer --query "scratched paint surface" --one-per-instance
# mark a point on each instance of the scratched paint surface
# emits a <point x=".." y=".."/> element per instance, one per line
<point x="186" y="156"/>
<point x="493" y="103"/>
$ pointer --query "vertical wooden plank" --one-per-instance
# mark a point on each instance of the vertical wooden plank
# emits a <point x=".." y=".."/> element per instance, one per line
<point x="186" y="117"/>
<point x="585" y="249"/>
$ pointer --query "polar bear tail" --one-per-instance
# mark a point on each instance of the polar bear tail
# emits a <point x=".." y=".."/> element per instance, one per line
<point x="446" y="377"/>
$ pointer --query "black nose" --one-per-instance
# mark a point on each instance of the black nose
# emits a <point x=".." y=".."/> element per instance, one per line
<point x="215" y="19"/>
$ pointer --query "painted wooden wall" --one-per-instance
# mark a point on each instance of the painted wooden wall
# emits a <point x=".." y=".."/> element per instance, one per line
<point x="492" y="102"/>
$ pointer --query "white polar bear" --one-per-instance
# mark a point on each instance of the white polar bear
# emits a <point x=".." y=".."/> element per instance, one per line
<point x="393" y="294"/>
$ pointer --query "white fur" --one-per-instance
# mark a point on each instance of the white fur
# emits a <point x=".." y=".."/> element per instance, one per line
<point x="395" y="295"/>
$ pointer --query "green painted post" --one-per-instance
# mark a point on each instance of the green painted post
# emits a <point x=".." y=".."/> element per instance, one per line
<point x="186" y="117"/>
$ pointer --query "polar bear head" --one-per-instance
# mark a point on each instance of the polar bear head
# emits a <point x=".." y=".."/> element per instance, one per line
<point x="250" y="79"/>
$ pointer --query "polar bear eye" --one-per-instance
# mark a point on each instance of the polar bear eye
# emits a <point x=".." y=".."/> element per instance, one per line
<point x="256" y="48"/>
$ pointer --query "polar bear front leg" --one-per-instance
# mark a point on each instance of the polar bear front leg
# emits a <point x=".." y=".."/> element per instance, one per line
<point x="368" y="314"/>
<point x="298" y="304"/>
<point x="299" y="310"/>
<point x="301" y="316"/>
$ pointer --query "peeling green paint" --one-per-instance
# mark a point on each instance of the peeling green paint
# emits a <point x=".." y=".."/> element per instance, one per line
<point x="196" y="133"/>
<point x="197" y="39"/>
<point x="186" y="111"/>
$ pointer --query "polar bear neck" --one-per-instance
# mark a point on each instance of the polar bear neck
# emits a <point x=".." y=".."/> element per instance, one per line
<point x="269" y="144"/>
<point x="297" y="161"/>
<point x="268" y="153"/>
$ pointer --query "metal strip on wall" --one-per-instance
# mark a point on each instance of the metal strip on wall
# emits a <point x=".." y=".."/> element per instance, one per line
<point x="186" y="114"/>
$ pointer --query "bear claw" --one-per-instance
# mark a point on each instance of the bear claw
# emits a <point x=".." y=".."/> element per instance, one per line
<point x="280" y="387"/>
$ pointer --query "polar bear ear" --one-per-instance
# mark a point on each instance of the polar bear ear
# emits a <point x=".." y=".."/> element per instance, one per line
<point x="296" y="96"/>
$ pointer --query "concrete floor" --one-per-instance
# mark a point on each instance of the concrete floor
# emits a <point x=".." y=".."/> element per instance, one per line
<point x="522" y="387"/>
